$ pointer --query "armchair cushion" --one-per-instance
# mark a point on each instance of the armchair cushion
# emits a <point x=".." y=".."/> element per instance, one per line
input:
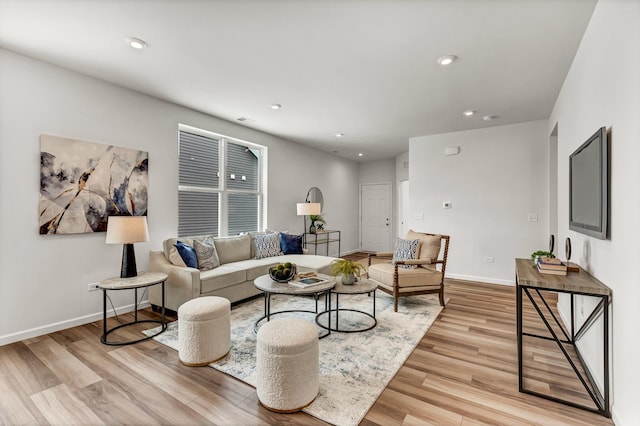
<point x="429" y="247"/>
<point x="405" y="250"/>
<point x="409" y="279"/>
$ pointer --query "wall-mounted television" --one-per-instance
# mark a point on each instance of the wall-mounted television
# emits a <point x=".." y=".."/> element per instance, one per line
<point x="588" y="186"/>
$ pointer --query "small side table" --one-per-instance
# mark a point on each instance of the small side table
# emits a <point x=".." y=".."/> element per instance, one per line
<point x="324" y="237"/>
<point x="134" y="283"/>
<point x="269" y="287"/>
<point x="363" y="286"/>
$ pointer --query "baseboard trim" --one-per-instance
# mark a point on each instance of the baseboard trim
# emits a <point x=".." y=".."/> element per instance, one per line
<point x="63" y="325"/>
<point x="480" y="279"/>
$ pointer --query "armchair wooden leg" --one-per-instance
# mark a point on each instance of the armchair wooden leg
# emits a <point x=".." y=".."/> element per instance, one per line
<point x="396" y="296"/>
<point x="441" y="293"/>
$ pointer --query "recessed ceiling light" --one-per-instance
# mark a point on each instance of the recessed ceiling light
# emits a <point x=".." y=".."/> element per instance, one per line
<point x="245" y="119"/>
<point x="360" y="154"/>
<point x="446" y="60"/>
<point x="469" y="113"/>
<point x="489" y="117"/>
<point x="275" y="106"/>
<point x="339" y="135"/>
<point x="136" y="43"/>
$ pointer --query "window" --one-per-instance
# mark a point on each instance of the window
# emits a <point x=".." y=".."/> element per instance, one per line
<point x="208" y="205"/>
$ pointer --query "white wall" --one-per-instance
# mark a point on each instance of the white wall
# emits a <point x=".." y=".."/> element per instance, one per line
<point x="402" y="194"/>
<point x="497" y="179"/>
<point x="43" y="279"/>
<point x="602" y="88"/>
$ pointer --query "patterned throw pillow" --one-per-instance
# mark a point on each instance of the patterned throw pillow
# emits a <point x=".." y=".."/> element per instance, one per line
<point x="206" y="253"/>
<point x="267" y="245"/>
<point x="405" y="250"/>
<point x="188" y="254"/>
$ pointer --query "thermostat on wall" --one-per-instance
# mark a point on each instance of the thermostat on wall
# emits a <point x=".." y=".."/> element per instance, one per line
<point x="452" y="150"/>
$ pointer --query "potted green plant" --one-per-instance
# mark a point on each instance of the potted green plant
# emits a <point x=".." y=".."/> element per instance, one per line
<point x="314" y="218"/>
<point x="540" y="253"/>
<point x="348" y="269"/>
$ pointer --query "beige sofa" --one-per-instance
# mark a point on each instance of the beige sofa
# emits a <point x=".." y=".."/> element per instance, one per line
<point x="234" y="277"/>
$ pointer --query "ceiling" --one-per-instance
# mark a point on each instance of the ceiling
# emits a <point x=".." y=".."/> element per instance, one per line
<point x="364" y="68"/>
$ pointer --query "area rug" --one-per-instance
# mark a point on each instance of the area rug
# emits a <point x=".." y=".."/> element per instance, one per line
<point x="354" y="367"/>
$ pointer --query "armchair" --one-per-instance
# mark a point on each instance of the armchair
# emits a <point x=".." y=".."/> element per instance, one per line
<point x="427" y="277"/>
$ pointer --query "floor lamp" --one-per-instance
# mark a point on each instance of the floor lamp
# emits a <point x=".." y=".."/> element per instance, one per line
<point x="127" y="230"/>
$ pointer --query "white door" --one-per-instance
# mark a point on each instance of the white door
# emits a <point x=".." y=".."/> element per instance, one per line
<point x="375" y="223"/>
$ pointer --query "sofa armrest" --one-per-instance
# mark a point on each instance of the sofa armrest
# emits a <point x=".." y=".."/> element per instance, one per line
<point x="183" y="283"/>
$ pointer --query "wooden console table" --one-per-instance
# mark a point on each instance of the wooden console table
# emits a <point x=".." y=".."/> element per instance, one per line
<point x="320" y="238"/>
<point x="532" y="283"/>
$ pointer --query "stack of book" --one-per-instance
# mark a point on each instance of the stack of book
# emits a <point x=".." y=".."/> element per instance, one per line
<point x="547" y="265"/>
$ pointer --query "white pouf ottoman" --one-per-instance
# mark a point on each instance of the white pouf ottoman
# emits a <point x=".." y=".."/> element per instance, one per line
<point x="204" y="330"/>
<point x="287" y="364"/>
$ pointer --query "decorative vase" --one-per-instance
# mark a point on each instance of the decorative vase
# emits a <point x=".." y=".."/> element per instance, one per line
<point x="348" y="279"/>
<point x="312" y="228"/>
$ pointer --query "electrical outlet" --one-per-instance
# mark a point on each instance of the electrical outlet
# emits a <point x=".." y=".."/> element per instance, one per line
<point x="489" y="259"/>
<point x="92" y="286"/>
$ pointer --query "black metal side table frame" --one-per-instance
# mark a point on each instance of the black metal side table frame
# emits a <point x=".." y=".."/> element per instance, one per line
<point x="371" y="292"/>
<point x="316" y="296"/>
<point x="601" y="400"/>
<point x="111" y="284"/>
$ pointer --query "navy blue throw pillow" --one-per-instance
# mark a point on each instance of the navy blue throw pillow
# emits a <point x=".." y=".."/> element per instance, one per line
<point x="188" y="254"/>
<point x="291" y="244"/>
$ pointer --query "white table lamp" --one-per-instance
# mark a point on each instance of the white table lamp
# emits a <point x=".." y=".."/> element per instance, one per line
<point x="127" y="230"/>
<point x="308" y="209"/>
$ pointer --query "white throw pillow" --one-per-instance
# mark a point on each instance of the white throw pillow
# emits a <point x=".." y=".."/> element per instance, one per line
<point x="267" y="245"/>
<point x="206" y="253"/>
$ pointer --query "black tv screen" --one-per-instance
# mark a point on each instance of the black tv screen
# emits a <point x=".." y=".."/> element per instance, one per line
<point x="588" y="186"/>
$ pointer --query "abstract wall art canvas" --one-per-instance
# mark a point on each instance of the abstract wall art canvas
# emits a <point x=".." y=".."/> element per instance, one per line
<point x="83" y="183"/>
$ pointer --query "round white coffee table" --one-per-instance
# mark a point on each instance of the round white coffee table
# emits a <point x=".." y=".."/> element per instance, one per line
<point x="362" y="286"/>
<point x="269" y="287"/>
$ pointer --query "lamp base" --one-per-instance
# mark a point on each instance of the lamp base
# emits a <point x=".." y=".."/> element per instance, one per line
<point x="128" y="268"/>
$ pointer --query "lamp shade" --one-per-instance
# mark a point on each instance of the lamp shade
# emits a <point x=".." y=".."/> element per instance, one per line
<point x="306" y="209"/>
<point x="127" y="229"/>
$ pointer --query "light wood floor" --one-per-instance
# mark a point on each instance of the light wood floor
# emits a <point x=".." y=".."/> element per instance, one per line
<point x="464" y="372"/>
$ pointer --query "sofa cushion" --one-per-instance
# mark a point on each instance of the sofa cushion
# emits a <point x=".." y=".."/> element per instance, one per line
<point x="257" y="267"/>
<point x="169" y="246"/>
<point x="188" y="254"/>
<point x="233" y="249"/>
<point x="406" y="250"/>
<point x="175" y="258"/>
<point x="267" y="245"/>
<point x="316" y="263"/>
<point x="221" y="277"/>
<point x="290" y="244"/>
<point x="429" y="245"/>
<point x="207" y="254"/>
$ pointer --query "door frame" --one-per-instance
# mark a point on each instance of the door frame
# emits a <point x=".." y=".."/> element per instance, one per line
<point x="391" y="217"/>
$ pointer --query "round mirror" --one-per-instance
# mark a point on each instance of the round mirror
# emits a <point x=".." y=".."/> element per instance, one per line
<point x="315" y="196"/>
